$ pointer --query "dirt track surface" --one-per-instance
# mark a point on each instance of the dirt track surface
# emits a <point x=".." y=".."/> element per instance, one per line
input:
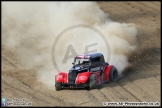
<point x="140" y="83"/>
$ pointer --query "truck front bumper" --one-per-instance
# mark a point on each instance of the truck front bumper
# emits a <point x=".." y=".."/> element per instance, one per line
<point x="75" y="85"/>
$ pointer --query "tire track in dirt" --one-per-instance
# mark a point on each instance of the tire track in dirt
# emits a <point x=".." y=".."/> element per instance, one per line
<point x="12" y="64"/>
<point x="111" y="94"/>
<point x="99" y="96"/>
<point x="92" y="99"/>
<point x="11" y="87"/>
<point x="85" y="97"/>
<point x="147" y="83"/>
<point x="141" y="5"/>
<point x="124" y="95"/>
<point x="133" y="89"/>
<point x="9" y="56"/>
<point x="153" y="69"/>
<point x="35" y="92"/>
<point x="147" y="4"/>
<point x="150" y="88"/>
<point x="134" y="6"/>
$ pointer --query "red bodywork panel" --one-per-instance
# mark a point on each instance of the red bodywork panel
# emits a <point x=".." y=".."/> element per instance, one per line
<point x="106" y="74"/>
<point x="82" y="77"/>
<point x="62" y="77"/>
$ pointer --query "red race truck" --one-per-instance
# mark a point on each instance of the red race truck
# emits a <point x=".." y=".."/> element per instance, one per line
<point x="88" y="71"/>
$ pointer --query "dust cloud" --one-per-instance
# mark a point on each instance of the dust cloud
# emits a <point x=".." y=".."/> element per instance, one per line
<point x="30" y="28"/>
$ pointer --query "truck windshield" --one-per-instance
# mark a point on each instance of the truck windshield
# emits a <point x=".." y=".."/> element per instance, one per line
<point x="82" y="61"/>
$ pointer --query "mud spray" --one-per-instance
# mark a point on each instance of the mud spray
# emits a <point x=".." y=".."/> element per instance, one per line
<point x="30" y="28"/>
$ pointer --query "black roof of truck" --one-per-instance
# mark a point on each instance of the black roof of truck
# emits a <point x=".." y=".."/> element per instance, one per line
<point x="87" y="55"/>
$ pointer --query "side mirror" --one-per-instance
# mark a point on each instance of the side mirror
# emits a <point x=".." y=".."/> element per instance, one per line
<point x="73" y="63"/>
<point x="106" y="63"/>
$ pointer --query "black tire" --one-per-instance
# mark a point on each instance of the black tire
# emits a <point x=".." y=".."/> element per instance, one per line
<point x="57" y="86"/>
<point x="92" y="82"/>
<point x="113" y="74"/>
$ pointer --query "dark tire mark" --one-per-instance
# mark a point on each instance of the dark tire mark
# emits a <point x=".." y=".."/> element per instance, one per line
<point x="130" y="93"/>
<point x="103" y="95"/>
<point x="24" y="92"/>
<point x="55" y="98"/>
<point x="130" y="80"/>
<point x="91" y="96"/>
<point x="84" y="102"/>
<point x="147" y="6"/>
<point x="152" y="68"/>
<point x="155" y="4"/>
<point x="9" y="62"/>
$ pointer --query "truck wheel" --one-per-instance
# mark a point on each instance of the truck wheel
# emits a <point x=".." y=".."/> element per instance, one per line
<point x="113" y="74"/>
<point x="57" y="86"/>
<point x="92" y="83"/>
